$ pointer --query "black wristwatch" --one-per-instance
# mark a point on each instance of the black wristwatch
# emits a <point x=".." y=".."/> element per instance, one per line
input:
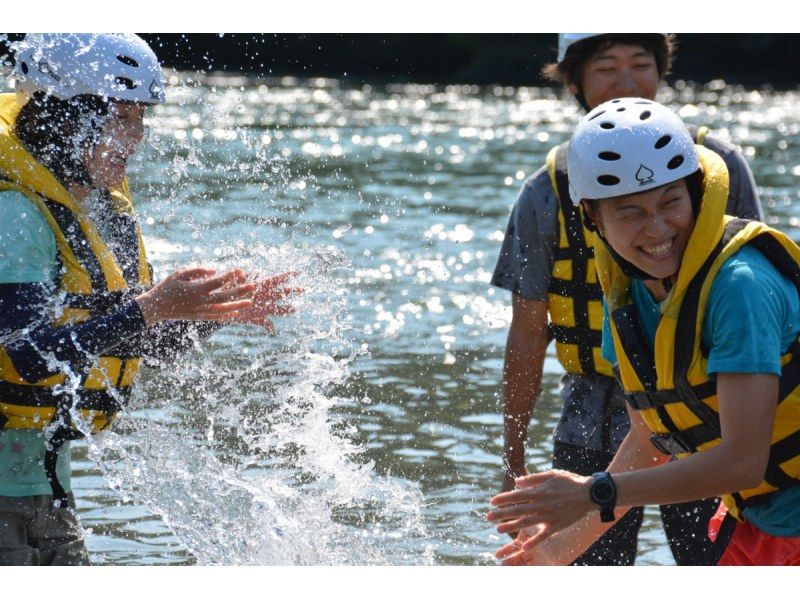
<point x="603" y="493"/>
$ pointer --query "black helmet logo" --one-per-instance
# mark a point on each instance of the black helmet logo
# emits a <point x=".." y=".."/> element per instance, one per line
<point x="155" y="90"/>
<point x="644" y="175"/>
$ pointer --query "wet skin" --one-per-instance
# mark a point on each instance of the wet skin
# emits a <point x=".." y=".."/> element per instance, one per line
<point x="650" y="229"/>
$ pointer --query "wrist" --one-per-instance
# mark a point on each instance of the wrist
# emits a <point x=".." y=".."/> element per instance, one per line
<point x="147" y="305"/>
<point x="602" y="492"/>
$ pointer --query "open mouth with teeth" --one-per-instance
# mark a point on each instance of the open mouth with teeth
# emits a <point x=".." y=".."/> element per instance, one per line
<point x="659" y="251"/>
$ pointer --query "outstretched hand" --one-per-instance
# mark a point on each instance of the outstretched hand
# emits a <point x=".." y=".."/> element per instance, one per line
<point x="513" y="553"/>
<point x="267" y="301"/>
<point x="197" y="294"/>
<point x="551" y="501"/>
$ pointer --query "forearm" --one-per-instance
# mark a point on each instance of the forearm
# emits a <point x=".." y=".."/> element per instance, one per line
<point x="75" y="345"/>
<point x="634" y="453"/>
<point x="522" y="376"/>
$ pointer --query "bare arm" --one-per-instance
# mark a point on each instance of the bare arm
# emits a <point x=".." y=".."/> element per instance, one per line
<point x="522" y="376"/>
<point x="747" y="411"/>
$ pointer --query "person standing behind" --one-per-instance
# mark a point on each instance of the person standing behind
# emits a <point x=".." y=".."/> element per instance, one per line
<point x="547" y="263"/>
<point x="78" y="307"/>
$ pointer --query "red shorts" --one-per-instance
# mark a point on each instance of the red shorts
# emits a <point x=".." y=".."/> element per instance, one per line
<point x="750" y="546"/>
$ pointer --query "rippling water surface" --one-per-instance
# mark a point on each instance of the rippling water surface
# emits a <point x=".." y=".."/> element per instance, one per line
<point x="368" y="430"/>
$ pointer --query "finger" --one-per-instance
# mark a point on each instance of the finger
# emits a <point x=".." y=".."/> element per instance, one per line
<point x="279" y="293"/>
<point x="222" y="308"/>
<point x="507" y="549"/>
<point x="516" y="560"/>
<point x="275" y="310"/>
<point x="225" y="317"/>
<point x="231" y="293"/>
<point x="282" y="277"/>
<point x="216" y="282"/>
<point x="534" y="479"/>
<point x="538" y="537"/>
<point x="513" y="497"/>
<point x="520" y="524"/>
<point x="188" y="274"/>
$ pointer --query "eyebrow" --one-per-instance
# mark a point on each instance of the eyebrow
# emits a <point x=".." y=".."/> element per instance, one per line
<point x="640" y="54"/>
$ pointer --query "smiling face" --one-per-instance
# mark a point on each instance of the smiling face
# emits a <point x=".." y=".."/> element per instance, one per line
<point x="618" y="71"/>
<point x="122" y="132"/>
<point x="651" y="229"/>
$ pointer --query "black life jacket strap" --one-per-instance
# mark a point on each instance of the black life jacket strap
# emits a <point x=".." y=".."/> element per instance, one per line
<point x="578" y="289"/>
<point x="43" y="396"/>
<point x="62" y="433"/>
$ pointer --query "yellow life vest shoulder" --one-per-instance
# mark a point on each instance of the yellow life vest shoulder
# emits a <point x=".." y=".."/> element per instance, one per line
<point x="670" y="387"/>
<point x="574" y="294"/>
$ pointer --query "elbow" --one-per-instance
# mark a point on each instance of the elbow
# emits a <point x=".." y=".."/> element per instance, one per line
<point x="747" y="470"/>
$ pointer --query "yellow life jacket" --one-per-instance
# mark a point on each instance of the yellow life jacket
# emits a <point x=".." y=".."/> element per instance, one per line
<point x="92" y="281"/>
<point x="669" y="386"/>
<point x="574" y="294"/>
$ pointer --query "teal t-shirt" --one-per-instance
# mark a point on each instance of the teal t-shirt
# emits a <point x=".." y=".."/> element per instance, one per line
<point x="27" y="254"/>
<point x="747" y="290"/>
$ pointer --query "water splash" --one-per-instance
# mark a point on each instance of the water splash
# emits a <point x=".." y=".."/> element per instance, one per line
<point x="242" y="453"/>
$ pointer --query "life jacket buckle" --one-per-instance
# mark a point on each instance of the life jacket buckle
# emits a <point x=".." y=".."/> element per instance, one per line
<point x="670" y="444"/>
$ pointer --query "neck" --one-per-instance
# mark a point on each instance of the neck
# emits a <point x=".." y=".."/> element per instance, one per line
<point x="656" y="288"/>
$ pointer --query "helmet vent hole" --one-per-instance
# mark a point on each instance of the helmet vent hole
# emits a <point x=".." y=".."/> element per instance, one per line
<point x="608" y="180"/>
<point x="644" y="115"/>
<point x="127" y="83"/>
<point x="606" y="125"/>
<point x="128" y="60"/>
<point x="617" y="101"/>
<point x="675" y="162"/>
<point x="596" y="115"/>
<point x="24" y="67"/>
<point x="609" y="156"/>
<point x="621" y="109"/>
<point x="663" y="141"/>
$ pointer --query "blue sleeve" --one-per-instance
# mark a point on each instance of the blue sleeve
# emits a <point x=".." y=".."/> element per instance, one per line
<point x="165" y="341"/>
<point x="607" y="344"/>
<point x="752" y="316"/>
<point x="23" y="308"/>
<point x="27" y="245"/>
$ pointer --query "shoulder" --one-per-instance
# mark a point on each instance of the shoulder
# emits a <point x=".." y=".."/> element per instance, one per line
<point x="21" y="216"/>
<point x="537" y="186"/>
<point x="537" y="196"/>
<point x="27" y="244"/>
<point x="748" y="277"/>
<point x="727" y="151"/>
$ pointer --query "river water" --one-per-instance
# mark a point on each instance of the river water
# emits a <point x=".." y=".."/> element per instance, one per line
<point x="368" y="429"/>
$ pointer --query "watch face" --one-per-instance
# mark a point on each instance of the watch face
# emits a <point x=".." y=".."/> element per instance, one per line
<point x="603" y="492"/>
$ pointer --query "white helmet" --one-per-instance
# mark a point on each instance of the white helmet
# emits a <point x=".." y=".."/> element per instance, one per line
<point x="628" y="145"/>
<point x="565" y="40"/>
<point x="115" y="65"/>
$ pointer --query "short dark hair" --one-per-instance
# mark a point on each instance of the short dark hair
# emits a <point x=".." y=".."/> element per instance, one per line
<point x="55" y="131"/>
<point x="570" y="69"/>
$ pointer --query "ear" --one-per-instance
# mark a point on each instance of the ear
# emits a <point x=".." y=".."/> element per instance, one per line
<point x="591" y="217"/>
<point x="573" y="89"/>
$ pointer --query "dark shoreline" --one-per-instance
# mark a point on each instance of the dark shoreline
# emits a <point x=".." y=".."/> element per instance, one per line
<point x="753" y="60"/>
<point x="749" y="59"/>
